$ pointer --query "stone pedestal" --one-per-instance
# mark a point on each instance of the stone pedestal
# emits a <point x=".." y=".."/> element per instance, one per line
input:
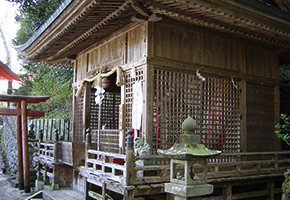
<point x="185" y="192"/>
<point x="188" y="166"/>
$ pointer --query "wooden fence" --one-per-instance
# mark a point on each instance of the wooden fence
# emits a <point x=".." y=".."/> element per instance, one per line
<point x="49" y="125"/>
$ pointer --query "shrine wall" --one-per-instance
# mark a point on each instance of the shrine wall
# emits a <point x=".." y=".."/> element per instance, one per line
<point x="254" y="66"/>
<point x="181" y="47"/>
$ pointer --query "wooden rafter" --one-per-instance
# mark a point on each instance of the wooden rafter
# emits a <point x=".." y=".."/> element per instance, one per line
<point x="101" y="25"/>
<point x="84" y="24"/>
<point x="214" y="19"/>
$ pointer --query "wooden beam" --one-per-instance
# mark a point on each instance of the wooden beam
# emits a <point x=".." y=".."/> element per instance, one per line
<point x="17" y="111"/>
<point x="8" y="111"/>
<point x="139" y="8"/>
<point x="25" y="147"/>
<point x="34" y="113"/>
<point x="155" y="17"/>
<point x="19" y="149"/>
<point x="71" y="57"/>
<point x="139" y="18"/>
<point x="19" y="98"/>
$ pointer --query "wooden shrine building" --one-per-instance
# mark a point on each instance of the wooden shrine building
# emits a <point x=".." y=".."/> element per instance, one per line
<point x="214" y="60"/>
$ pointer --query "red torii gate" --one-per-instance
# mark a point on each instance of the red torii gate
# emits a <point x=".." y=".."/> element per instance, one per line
<point x="6" y="73"/>
<point x="22" y="113"/>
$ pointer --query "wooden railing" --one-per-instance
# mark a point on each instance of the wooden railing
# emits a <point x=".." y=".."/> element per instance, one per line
<point x="251" y="163"/>
<point x="151" y="169"/>
<point x="106" y="165"/>
<point x="156" y="169"/>
<point x="46" y="152"/>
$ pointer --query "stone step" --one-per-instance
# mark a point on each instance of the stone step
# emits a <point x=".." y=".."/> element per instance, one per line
<point x="36" y="196"/>
<point x="63" y="193"/>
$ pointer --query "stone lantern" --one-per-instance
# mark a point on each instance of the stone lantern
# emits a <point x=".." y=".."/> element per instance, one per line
<point x="188" y="165"/>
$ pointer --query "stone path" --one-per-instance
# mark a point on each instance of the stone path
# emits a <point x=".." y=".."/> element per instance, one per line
<point x="7" y="192"/>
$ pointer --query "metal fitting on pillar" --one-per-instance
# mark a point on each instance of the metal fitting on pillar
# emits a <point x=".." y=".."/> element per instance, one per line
<point x="130" y="139"/>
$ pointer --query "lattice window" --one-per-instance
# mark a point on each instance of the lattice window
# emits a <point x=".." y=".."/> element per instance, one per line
<point x="109" y="111"/>
<point x="109" y="121"/>
<point x="129" y="95"/>
<point x="213" y="103"/>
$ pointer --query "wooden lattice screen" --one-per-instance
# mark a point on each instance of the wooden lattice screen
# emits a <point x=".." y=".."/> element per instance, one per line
<point x="221" y="116"/>
<point x="109" y="111"/>
<point x="109" y="121"/>
<point x="129" y="95"/>
<point x="78" y="119"/>
<point x="214" y="103"/>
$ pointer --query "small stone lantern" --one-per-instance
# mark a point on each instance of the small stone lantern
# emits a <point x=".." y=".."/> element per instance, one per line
<point x="188" y="166"/>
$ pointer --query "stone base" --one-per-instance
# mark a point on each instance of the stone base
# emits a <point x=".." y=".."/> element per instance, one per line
<point x="14" y="182"/>
<point x="39" y="185"/>
<point x="187" y="191"/>
<point x="186" y="198"/>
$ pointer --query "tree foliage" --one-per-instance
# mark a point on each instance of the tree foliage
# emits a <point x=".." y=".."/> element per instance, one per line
<point x="283" y="128"/>
<point x="32" y="14"/>
<point x="40" y="79"/>
<point x="44" y="80"/>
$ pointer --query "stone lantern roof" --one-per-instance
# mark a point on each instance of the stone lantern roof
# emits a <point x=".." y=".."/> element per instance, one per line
<point x="189" y="144"/>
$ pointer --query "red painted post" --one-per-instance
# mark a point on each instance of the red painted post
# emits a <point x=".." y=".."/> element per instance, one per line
<point x="19" y="150"/>
<point x="25" y="147"/>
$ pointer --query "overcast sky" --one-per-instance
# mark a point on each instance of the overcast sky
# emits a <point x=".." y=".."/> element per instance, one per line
<point x="9" y="28"/>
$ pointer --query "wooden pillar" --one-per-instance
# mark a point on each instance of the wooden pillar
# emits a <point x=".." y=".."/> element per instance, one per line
<point x="56" y="147"/>
<point x="104" y="188"/>
<point x="271" y="189"/>
<point x="86" y="108"/>
<point x="130" y="175"/>
<point x="25" y="147"/>
<point x="227" y="191"/>
<point x="19" y="149"/>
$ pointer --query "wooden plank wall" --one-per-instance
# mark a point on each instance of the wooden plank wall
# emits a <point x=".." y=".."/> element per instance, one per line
<point x="211" y="49"/>
<point x="117" y="50"/>
<point x="260" y="118"/>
